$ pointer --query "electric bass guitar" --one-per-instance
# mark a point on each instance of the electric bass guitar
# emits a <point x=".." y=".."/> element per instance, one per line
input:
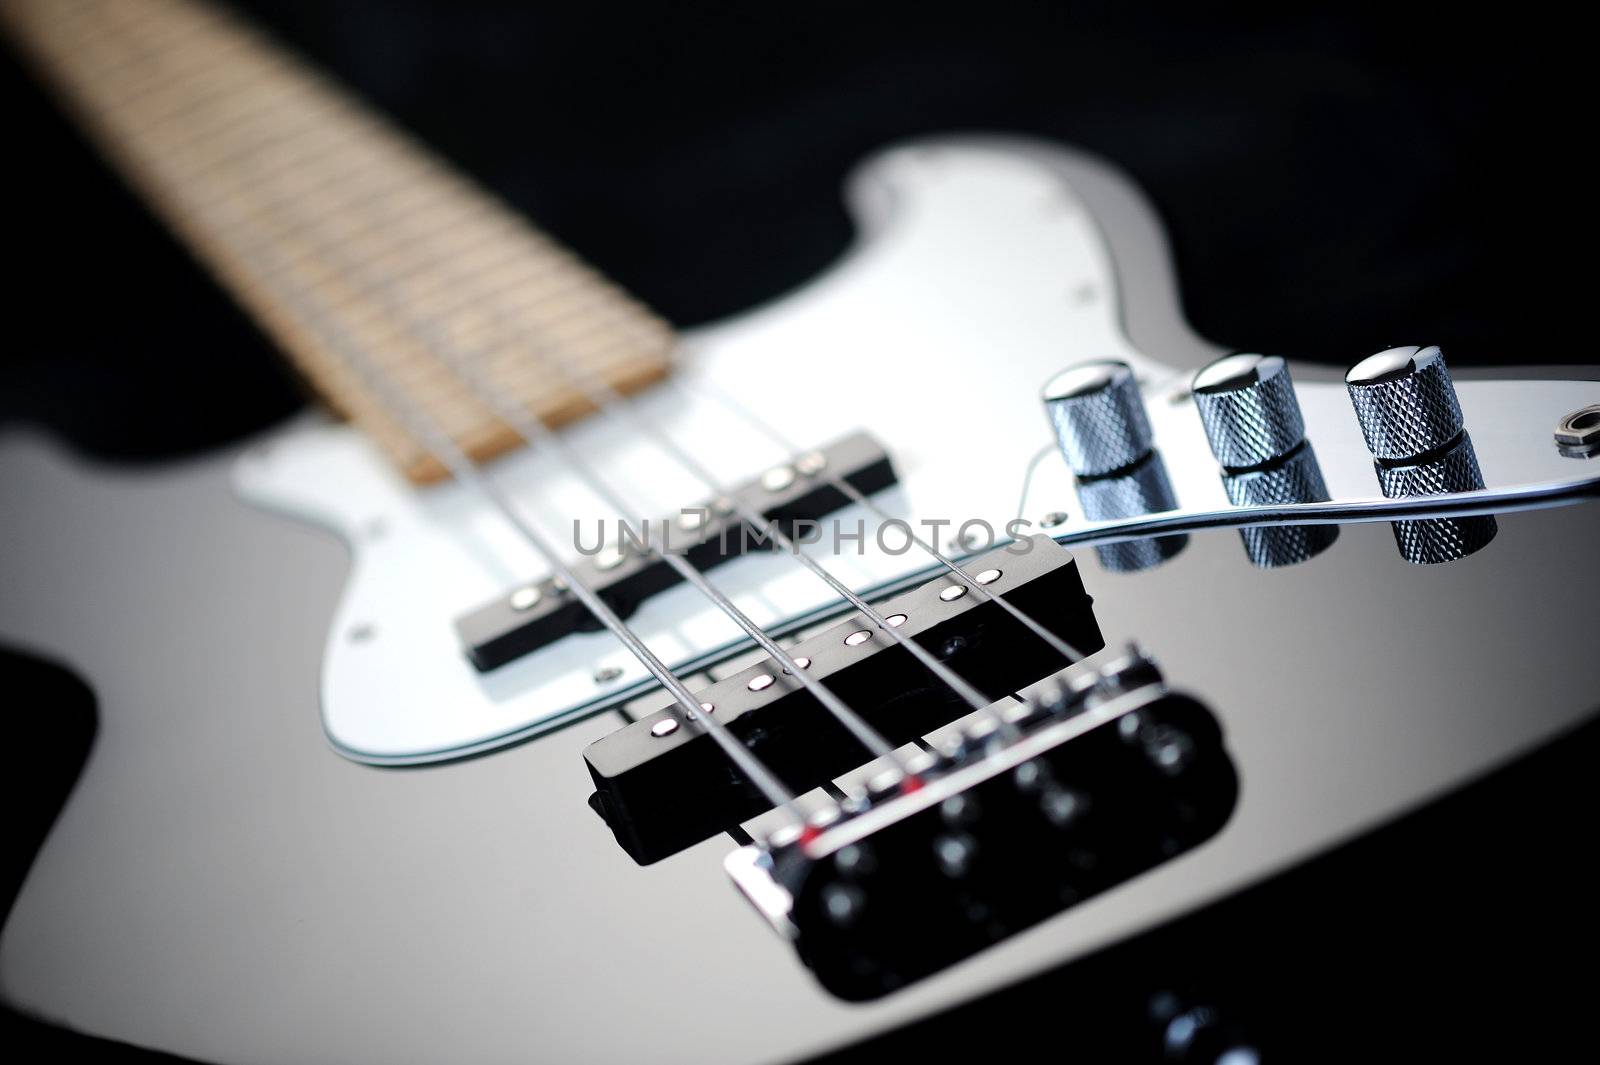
<point x="575" y="689"/>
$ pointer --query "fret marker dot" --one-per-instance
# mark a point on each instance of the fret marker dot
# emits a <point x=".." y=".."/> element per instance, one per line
<point x="855" y="639"/>
<point x="988" y="576"/>
<point x="953" y="593"/>
<point x="760" y="682"/>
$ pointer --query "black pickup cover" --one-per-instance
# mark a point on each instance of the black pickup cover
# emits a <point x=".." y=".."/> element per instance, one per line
<point x="498" y="632"/>
<point x="660" y="794"/>
<point x="990" y="846"/>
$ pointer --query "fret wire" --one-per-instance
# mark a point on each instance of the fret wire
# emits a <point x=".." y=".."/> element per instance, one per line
<point x="195" y="104"/>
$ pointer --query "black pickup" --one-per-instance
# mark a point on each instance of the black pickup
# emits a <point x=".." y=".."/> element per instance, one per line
<point x="1003" y="833"/>
<point x="665" y="788"/>
<point x="708" y="534"/>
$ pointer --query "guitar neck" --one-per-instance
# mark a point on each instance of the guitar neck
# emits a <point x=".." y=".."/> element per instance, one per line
<point x="337" y="231"/>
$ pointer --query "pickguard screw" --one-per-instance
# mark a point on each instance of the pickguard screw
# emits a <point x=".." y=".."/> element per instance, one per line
<point x="362" y="633"/>
<point x="606" y="674"/>
<point x="1054" y="518"/>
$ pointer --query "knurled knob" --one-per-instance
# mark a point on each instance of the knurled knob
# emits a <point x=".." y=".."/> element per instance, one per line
<point x="1405" y="402"/>
<point x="1098" y="416"/>
<point x="1248" y="407"/>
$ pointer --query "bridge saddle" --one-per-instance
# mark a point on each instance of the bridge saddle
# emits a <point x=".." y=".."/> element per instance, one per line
<point x="1093" y="783"/>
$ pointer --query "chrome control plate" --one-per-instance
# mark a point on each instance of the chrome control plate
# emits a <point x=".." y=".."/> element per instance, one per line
<point x="1509" y="421"/>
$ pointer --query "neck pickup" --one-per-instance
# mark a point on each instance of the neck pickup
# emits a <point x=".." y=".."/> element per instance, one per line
<point x="708" y="533"/>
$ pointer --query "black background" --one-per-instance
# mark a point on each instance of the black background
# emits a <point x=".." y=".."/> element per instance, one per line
<point x="1332" y="184"/>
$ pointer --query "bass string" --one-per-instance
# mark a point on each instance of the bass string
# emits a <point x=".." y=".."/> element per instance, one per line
<point x="532" y="429"/>
<point x="444" y="450"/>
<point x="314" y="313"/>
<point x="607" y="400"/>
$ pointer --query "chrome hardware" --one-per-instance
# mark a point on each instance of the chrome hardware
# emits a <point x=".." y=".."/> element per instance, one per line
<point x="1099" y="417"/>
<point x="1248" y="407"/>
<point x="1578" y="435"/>
<point x="1405" y="402"/>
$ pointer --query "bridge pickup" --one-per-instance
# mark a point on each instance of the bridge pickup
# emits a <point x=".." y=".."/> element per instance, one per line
<point x="886" y="889"/>
<point x="662" y="789"/>
<point x="709" y="534"/>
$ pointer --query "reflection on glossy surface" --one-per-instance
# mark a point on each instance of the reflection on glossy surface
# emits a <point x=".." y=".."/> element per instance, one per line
<point x="1435" y="540"/>
<point x="1145" y="489"/>
<point x="1297" y="479"/>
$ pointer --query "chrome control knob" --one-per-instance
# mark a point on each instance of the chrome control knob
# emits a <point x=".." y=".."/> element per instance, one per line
<point x="1405" y="402"/>
<point x="1098" y="416"/>
<point x="1248" y="407"/>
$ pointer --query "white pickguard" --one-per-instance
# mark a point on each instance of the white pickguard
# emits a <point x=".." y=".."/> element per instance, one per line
<point x="978" y="273"/>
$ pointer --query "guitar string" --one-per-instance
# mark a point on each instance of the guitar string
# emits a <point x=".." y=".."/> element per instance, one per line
<point x="874" y="742"/>
<point x="531" y="429"/>
<point x="534" y="431"/>
<point x="443" y="449"/>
